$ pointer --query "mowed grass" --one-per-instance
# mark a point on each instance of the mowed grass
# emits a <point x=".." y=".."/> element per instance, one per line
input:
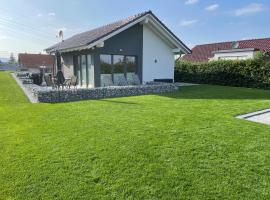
<point x="186" y="145"/>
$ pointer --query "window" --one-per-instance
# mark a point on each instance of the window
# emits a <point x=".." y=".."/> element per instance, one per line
<point x="131" y="64"/>
<point x="105" y="64"/>
<point x="90" y="66"/>
<point x="117" y="69"/>
<point x="83" y="66"/>
<point x="106" y="70"/>
<point x="84" y="70"/>
<point x="119" y="64"/>
<point x="77" y="68"/>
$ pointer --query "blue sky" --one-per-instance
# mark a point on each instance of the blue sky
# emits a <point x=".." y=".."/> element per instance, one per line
<point x="32" y="25"/>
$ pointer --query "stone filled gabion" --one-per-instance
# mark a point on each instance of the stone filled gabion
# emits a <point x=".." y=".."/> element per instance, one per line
<point x="54" y="96"/>
<point x="49" y="95"/>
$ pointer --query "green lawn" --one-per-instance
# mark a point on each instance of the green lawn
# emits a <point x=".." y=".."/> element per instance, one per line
<point x="186" y="145"/>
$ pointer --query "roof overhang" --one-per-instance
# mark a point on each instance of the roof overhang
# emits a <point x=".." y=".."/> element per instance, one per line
<point x="149" y="19"/>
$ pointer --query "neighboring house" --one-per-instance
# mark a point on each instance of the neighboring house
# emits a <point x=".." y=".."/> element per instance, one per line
<point x="8" y="67"/>
<point x="140" y="45"/>
<point x="237" y="50"/>
<point x="35" y="62"/>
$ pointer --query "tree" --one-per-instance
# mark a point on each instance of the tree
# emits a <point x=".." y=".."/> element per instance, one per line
<point x="12" y="59"/>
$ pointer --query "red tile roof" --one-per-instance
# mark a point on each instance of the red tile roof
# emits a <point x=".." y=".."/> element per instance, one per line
<point x="35" y="60"/>
<point x="202" y="53"/>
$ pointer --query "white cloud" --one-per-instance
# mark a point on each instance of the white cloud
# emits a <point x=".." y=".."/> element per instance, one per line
<point x="8" y="17"/>
<point x="3" y="37"/>
<point x="212" y="7"/>
<point x="248" y="38"/>
<point x="188" y="22"/>
<point x="51" y="14"/>
<point x="39" y="15"/>
<point x="249" y="9"/>
<point x="190" y="2"/>
<point x="191" y="45"/>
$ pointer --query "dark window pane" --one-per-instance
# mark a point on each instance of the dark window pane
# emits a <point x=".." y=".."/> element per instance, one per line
<point x="77" y="70"/>
<point x="119" y="65"/>
<point x="131" y="64"/>
<point x="83" y="67"/>
<point x="105" y="64"/>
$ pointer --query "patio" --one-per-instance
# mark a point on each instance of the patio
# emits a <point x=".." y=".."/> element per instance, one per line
<point x="47" y="94"/>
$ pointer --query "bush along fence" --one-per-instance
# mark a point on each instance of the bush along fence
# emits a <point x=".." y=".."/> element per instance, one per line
<point x="253" y="73"/>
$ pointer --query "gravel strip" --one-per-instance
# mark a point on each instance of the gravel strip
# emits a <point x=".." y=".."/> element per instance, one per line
<point x="262" y="116"/>
<point x="28" y="93"/>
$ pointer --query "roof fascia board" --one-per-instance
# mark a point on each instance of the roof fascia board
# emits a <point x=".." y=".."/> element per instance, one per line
<point x="161" y="35"/>
<point x="167" y="34"/>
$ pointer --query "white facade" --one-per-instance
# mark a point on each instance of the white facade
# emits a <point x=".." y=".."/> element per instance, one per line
<point x="234" y="54"/>
<point x="158" y="57"/>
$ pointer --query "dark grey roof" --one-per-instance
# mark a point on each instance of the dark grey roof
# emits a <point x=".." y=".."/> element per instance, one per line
<point x="93" y="35"/>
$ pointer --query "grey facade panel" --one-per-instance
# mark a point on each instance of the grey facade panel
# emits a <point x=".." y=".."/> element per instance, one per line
<point x="128" y="43"/>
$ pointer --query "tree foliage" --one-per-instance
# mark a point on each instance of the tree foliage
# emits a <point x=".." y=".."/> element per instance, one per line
<point x="12" y="59"/>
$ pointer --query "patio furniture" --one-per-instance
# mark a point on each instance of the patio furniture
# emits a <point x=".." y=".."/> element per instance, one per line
<point x="37" y="79"/>
<point x="49" y="81"/>
<point x="60" y="80"/>
<point x="106" y="80"/>
<point x="120" y="80"/>
<point x="133" y="79"/>
<point x="72" y="82"/>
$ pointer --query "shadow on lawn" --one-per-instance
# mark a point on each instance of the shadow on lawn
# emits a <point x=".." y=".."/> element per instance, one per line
<point x="219" y="92"/>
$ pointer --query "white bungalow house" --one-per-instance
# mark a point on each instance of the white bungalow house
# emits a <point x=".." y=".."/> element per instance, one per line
<point x="233" y="50"/>
<point x="139" y="46"/>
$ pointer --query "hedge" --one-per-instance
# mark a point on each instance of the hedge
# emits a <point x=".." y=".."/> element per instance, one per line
<point x="253" y="73"/>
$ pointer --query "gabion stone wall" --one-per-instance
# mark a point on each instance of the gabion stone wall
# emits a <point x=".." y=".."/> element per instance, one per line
<point x="54" y="96"/>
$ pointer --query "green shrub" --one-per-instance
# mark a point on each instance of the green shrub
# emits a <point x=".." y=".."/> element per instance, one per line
<point x="253" y="73"/>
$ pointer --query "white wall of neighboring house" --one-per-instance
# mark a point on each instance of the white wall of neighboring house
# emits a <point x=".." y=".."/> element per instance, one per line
<point x="154" y="48"/>
<point x="233" y="55"/>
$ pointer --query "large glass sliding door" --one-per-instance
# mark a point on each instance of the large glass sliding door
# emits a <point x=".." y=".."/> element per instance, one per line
<point x="118" y="70"/>
<point x="77" y="70"/>
<point x="90" y="71"/>
<point x="105" y="70"/>
<point x="131" y="68"/>
<point x="84" y="70"/>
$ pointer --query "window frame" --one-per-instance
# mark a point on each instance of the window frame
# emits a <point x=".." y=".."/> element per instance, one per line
<point x="125" y="64"/>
